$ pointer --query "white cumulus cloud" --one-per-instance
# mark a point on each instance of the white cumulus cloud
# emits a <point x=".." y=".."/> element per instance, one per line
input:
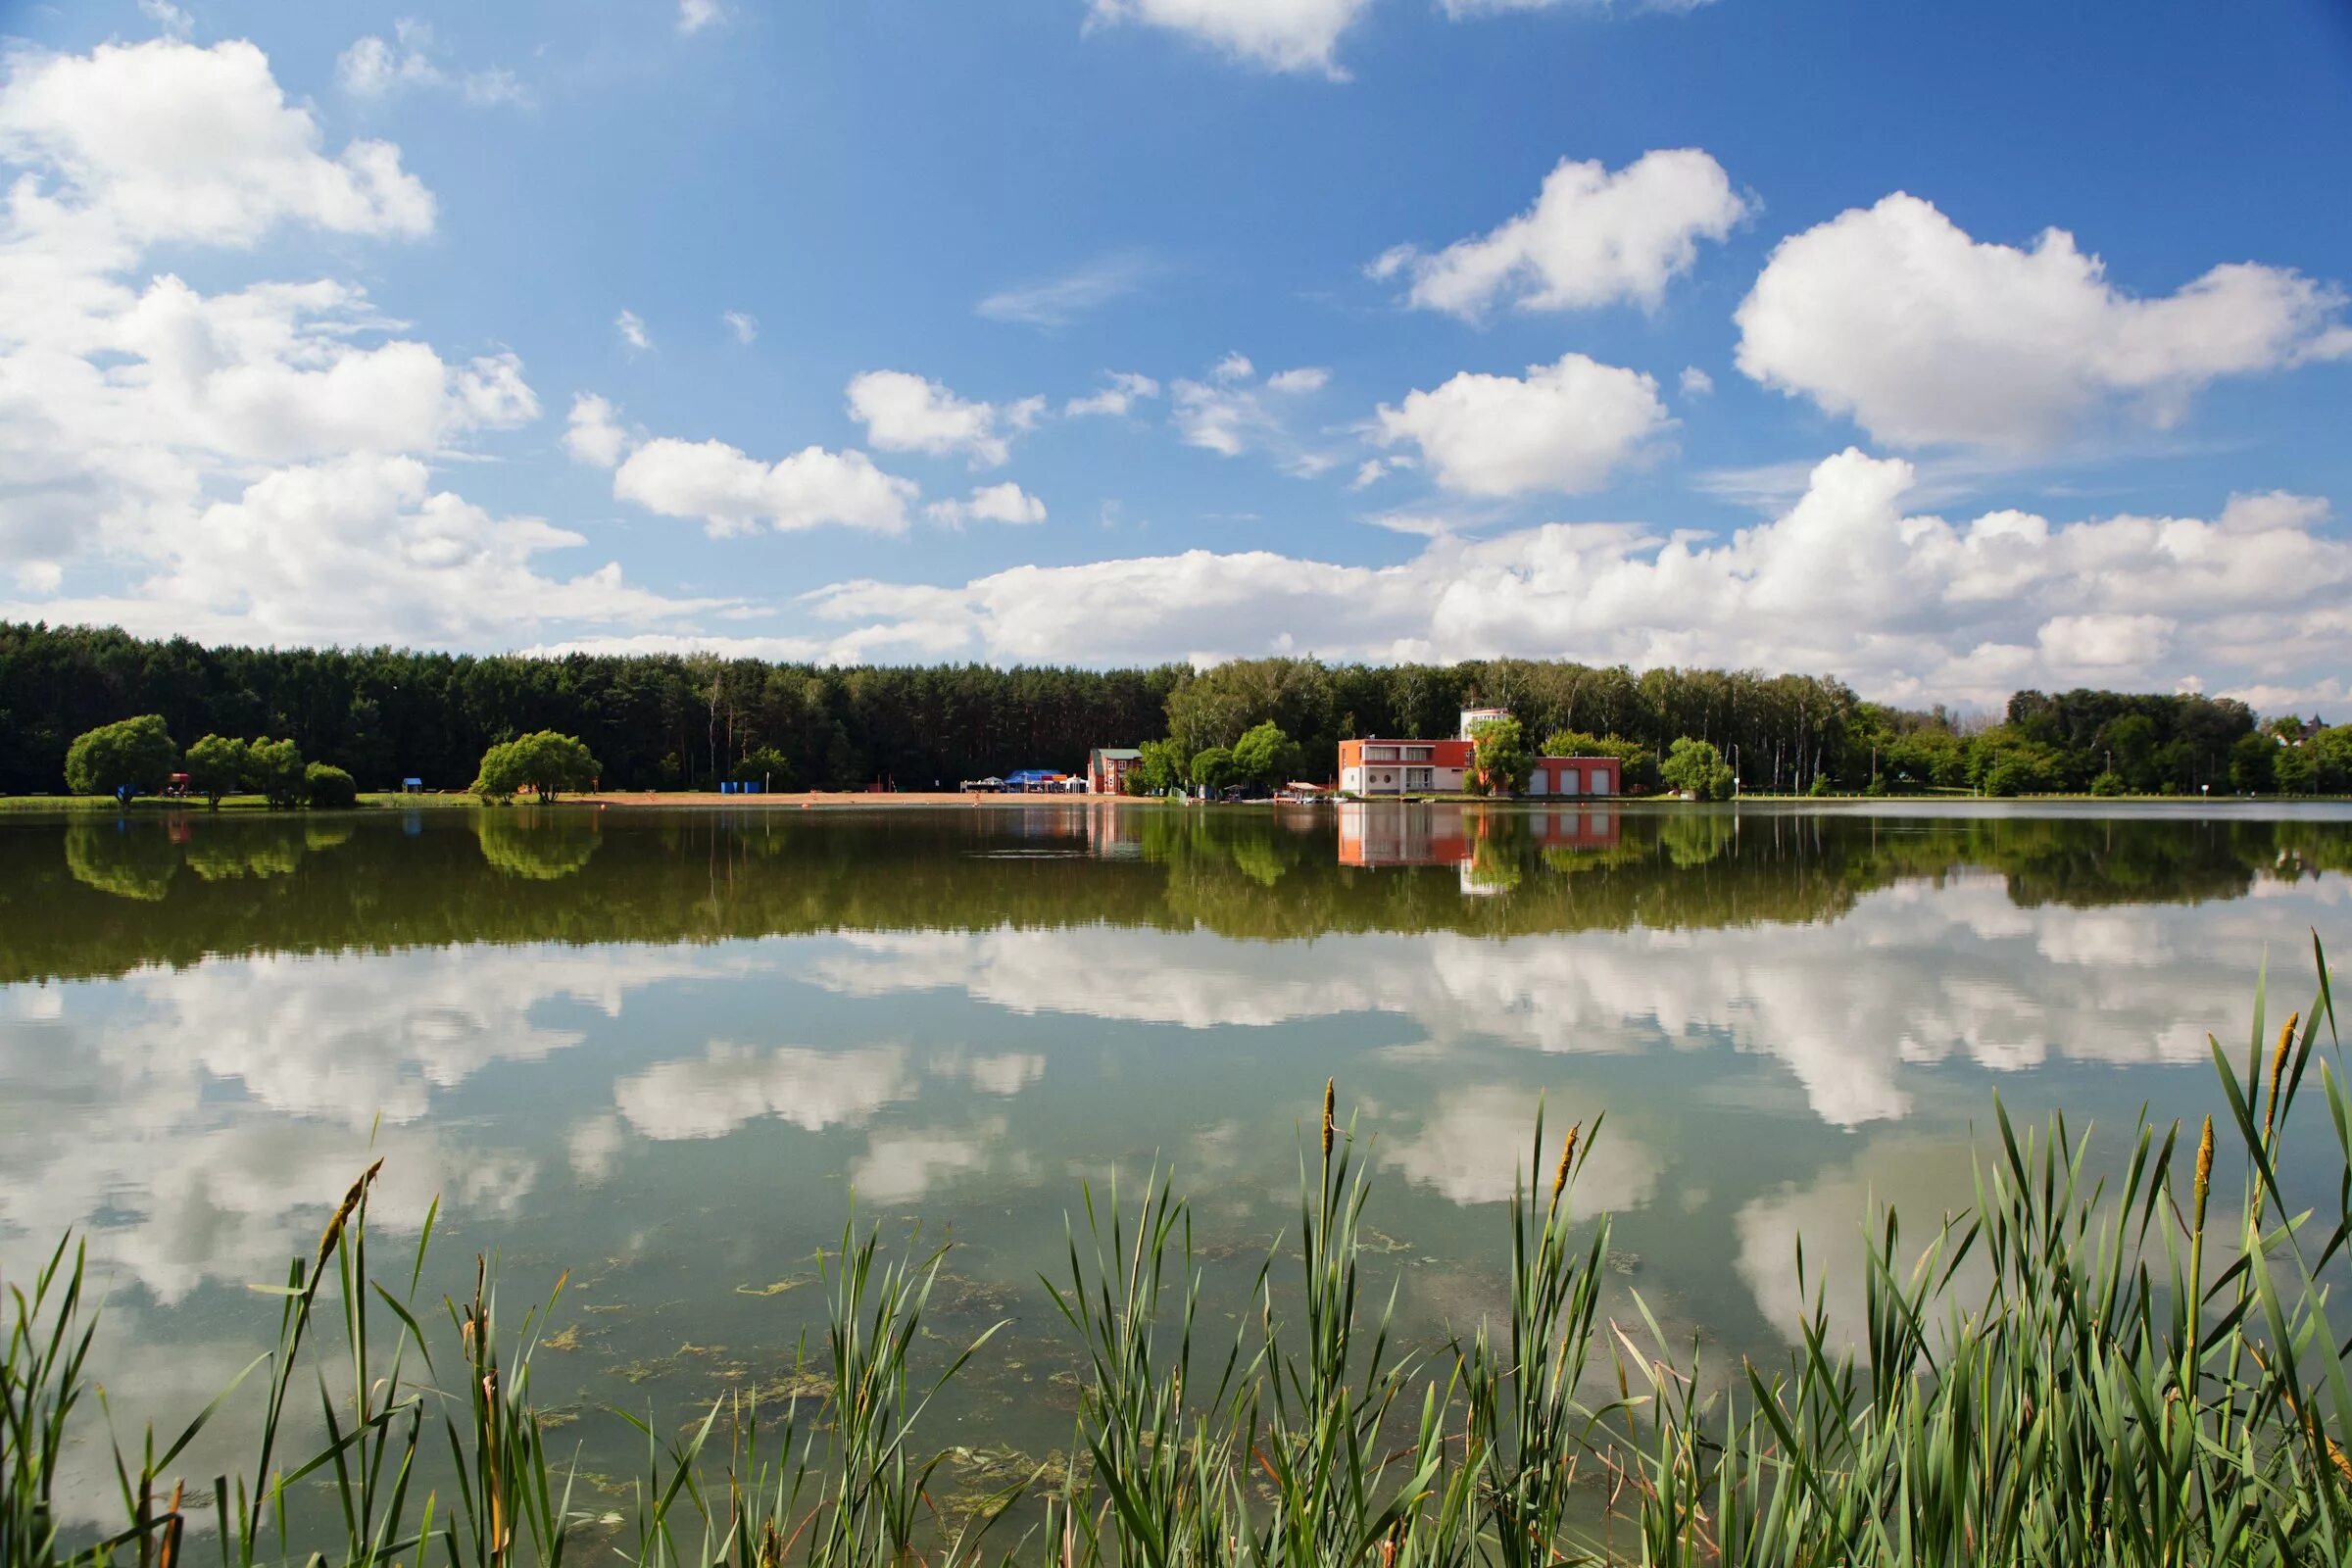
<point x="1908" y="607"/>
<point x="743" y="324"/>
<point x="1278" y="34"/>
<point x="993" y="502"/>
<point x="592" y="434"/>
<point x="1894" y="316"/>
<point x="362" y="548"/>
<point x="905" y="413"/>
<point x="1564" y="427"/>
<point x="164" y="141"/>
<point x="1592" y="238"/>
<point x="733" y="492"/>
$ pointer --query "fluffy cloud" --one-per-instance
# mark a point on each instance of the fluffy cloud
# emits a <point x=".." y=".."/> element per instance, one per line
<point x="165" y="141"/>
<point x="631" y="328"/>
<point x="903" y="412"/>
<point x="743" y="324"/>
<point x="1695" y="382"/>
<point x="362" y="548"/>
<point x="592" y="434"/>
<point x="731" y="493"/>
<point x="1564" y="428"/>
<point x="1906" y="605"/>
<point x="1592" y="238"/>
<point x="995" y="502"/>
<point x="1279" y="34"/>
<point x="247" y="464"/>
<point x="1923" y="335"/>
<point x="1123" y="389"/>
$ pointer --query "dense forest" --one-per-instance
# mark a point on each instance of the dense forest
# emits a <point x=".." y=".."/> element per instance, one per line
<point x="675" y="721"/>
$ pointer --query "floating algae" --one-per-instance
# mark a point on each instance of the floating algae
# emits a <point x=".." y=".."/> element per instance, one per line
<point x="990" y="1476"/>
<point x="778" y="1288"/>
<point x="635" y="1372"/>
<point x="567" y="1339"/>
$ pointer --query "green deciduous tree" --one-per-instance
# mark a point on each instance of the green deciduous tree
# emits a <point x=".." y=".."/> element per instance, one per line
<point x="1498" y="757"/>
<point x="1696" y="767"/>
<point x="1264" y="755"/>
<point x="217" y="766"/>
<point x="543" y="761"/>
<point x="276" y="771"/>
<point x="1160" y="767"/>
<point x="134" y="755"/>
<point x="1212" y="768"/>
<point x="2253" y="765"/>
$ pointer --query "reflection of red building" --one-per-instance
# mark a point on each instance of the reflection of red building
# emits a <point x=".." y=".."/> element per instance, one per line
<point x="1113" y="834"/>
<point x="1402" y="835"/>
<point x="1408" y="834"/>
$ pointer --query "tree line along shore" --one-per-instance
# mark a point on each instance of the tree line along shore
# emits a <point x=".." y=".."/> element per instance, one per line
<point x="690" y="722"/>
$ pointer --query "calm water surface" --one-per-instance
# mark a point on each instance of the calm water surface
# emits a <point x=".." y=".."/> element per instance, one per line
<point x="663" y="1049"/>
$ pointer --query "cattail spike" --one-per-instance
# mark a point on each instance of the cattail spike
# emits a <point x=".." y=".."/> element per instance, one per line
<point x="2286" y="1037"/>
<point x="1331" y="1087"/>
<point x="2204" y="1184"/>
<point x="1559" y="1177"/>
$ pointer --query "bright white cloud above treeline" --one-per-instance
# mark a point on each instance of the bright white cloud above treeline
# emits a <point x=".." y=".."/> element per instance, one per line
<point x="1906" y="605"/>
<point x="223" y="412"/>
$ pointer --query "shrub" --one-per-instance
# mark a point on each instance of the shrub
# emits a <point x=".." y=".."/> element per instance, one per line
<point x="764" y="765"/>
<point x="329" y="788"/>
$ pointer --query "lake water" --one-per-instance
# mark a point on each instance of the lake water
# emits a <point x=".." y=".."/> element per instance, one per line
<point x="660" y="1050"/>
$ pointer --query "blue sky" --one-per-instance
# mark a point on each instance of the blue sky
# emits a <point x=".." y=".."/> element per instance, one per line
<point x="1104" y="330"/>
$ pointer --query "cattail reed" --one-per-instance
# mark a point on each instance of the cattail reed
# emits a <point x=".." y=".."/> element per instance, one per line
<point x="2286" y="1037"/>
<point x="344" y="1212"/>
<point x="2204" y="1183"/>
<point x="1331" y="1095"/>
<point x="1559" y="1177"/>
